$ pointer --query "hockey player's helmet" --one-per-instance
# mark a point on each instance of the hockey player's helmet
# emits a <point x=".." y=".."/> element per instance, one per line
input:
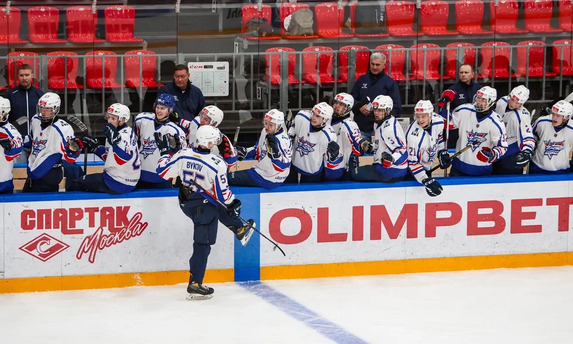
<point x="323" y="110"/>
<point x="563" y="108"/>
<point x="520" y="94"/>
<point x="345" y="99"/>
<point x="484" y="98"/>
<point x="424" y="106"/>
<point x="275" y="116"/>
<point x="214" y="114"/>
<point x="51" y="101"/>
<point x="4" y="109"/>
<point x="119" y="110"/>
<point x="384" y="103"/>
<point x="207" y="134"/>
<point x="165" y="99"/>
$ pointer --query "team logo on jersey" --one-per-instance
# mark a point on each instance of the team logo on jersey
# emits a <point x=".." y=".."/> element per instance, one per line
<point x="38" y="146"/>
<point x="475" y="139"/>
<point x="305" y="147"/>
<point x="147" y="147"/>
<point x="416" y="132"/>
<point x="552" y="148"/>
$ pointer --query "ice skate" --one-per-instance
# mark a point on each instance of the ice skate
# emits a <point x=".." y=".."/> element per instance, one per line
<point x="199" y="292"/>
<point x="245" y="232"/>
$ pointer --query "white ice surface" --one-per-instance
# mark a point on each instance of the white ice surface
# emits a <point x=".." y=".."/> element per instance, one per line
<point x="488" y="306"/>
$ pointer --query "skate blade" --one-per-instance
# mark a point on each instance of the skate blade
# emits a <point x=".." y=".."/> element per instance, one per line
<point x="247" y="237"/>
<point x="196" y="297"/>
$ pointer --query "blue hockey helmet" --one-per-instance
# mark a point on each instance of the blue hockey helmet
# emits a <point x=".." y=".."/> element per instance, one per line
<point x="165" y="99"/>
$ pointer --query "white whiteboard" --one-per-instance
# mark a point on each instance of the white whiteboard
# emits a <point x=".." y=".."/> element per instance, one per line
<point x="211" y="77"/>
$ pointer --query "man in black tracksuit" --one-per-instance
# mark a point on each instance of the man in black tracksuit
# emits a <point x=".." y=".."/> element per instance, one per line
<point x="189" y="98"/>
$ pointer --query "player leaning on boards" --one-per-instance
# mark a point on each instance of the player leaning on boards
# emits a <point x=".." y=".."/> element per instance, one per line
<point x="51" y="139"/>
<point x="425" y="142"/>
<point x="389" y="147"/>
<point x="520" y="140"/>
<point x="273" y="151"/>
<point x="10" y="148"/>
<point x="122" y="167"/>
<point x="147" y="124"/>
<point x="204" y="190"/>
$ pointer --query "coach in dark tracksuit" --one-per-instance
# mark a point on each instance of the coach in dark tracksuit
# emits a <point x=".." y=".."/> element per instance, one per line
<point x="189" y="98"/>
<point x="23" y="99"/>
<point x="370" y="85"/>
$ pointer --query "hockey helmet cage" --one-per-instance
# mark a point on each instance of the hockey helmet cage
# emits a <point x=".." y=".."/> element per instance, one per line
<point x="207" y="134"/>
<point x="119" y="110"/>
<point x="487" y="93"/>
<point x="520" y="94"/>
<point x="4" y="109"/>
<point x="214" y="113"/>
<point x="49" y="100"/>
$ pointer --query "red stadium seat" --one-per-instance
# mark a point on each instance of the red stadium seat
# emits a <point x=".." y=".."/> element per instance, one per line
<point x="249" y="12"/>
<point x="531" y="59"/>
<point x="395" y="60"/>
<point x="329" y="20"/>
<point x="495" y="57"/>
<point x="538" y="15"/>
<point x="273" y="65"/>
<point x="469" y="17"/>
<point x="140" y="67"/>
<point x="43" y="24"/>
<point x="400" y="18"/>
<point x="562" y="62"/>
<point x="454" y="53"/>
<point x="15" y="59"/>
<point x="362" y="54"/>
<point x="10" y="27"/>
<point x="565" y="15"/>
<point x="288" y="8"/>
<point x="434" y="18"/>
<point x="63" y="70"/>
<point x="120" y="24"/>
<point x="317" y="64"/>
<point x="503" y="17"/>
<point x="81" y="24"/>
<point x="428" y="68"/>
<point x="101" y="69"/>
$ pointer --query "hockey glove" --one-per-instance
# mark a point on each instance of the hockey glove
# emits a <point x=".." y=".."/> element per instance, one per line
<point x="174" y="143"/>
<point x="111" y="133"/>
<point x="174" y="117"/>
<point x="6" y="144"/>
<point x="486" y="155"/>
<point x="162" y="143"/>
<point x="91" y="143"/>
<point x="523" y="158"/>
<point x="447" y="97"/>
<point x="241" y="152"/>
<point x="366" y="147"/>
<point x="333" y="150"/>
<point x="444" y="159"/>
<point x="273" y="147"/>
<point x="433" y="188"/>
<point x="75" y="145"/>
<point x="387" y="160"/>
<point x="234" y="209"/>
<point x="225" y="147"/>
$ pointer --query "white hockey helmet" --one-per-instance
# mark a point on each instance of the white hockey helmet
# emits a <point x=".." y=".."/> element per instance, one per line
<point x="214" y="113"/>
<point x="323" y="110"/>
<point x="49" y="100"/>
<point x="275" y="116"/>
<point x="487" y="93"/>
<point x="424" y="106"/>
<point x="384" y="103"/>
<point x="4" y="109"/>
<point x="119" y="110"/>
<point x="345" y="99"/>
<point x="207" y="134"/>
<point x="520" y="94"/>
<point x="563" y="108"/>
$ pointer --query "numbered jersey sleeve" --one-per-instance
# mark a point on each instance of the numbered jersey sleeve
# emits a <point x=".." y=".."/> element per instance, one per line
<point x="423" y="146"/>
<point x="122" y="167"/>
<point x="554" y="146"/>
<point x="7" y="156"/>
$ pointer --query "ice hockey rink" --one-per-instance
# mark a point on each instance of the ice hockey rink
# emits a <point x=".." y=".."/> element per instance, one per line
<point x="529" y="305"/>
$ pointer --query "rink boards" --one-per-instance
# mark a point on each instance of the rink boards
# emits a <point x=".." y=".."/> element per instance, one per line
<point x="80" y="240"/>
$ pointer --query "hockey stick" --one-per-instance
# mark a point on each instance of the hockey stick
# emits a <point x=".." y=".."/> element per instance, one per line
<point x="447" y="132"/>
<point x="569" y="98"/>
<point x="235" y="139"/>
<point x="456" y="154"/>
<point x="83" y="130"/>
<point x="239" y="217"/>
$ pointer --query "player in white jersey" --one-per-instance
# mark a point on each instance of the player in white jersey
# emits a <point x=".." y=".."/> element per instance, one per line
<point x="273" y="151"/>
<point x="213" y="116"/>
<point x="50" y="140"/>
<point x="349" y="138"/>
<point x="204" y="190"/>
<point x="10" y="148"/>
<point x="520" y="140"/>
<point x="480" y="128"/>
<point x="554" y="135"/>
<point x="122" y="167"/>
<point x="147" y="124"/>
<point x="389" y="147"/>
<point x="425" y="142"/>
<point x="316" y="155"/>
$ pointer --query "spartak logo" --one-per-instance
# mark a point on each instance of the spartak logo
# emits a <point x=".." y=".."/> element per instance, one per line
<point x="44" y="247"/>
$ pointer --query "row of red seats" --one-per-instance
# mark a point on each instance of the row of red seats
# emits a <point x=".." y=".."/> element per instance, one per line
<point x="425" y="61"/>
<point x="81" y="22"/>
<point x="400" y="15"/>
<point x="100" y="68"/>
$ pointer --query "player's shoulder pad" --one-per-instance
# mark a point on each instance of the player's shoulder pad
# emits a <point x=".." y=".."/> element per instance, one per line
<point x="145" y="115"/>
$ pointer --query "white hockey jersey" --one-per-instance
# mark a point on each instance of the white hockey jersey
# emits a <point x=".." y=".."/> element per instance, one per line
<point x="517" y="127"/>
<point x="122" y="167"/>
<point x="48" y="146"/>
<point x="488" y="132"/>
<point x="348" y="138"/>
<point x="205" y="169"/>
<point x="148" y="153"/>
<point x="190" y="129"/>
<point x="423" y="145"/>
<point x="8" y="131"/>
<point x="310" y="148"/>
<point x="554" y="146"/>
<point x="389" y="137"/>
<point x="269" y="172"/>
